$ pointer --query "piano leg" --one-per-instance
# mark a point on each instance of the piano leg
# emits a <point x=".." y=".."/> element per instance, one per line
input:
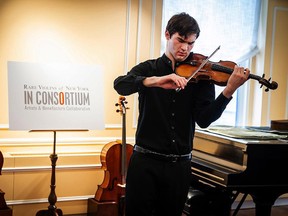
<point x="262" y="210"/>
<point x="220" y="201"/>
<point x="220" y="204"/>
<point x="264" y="200"/>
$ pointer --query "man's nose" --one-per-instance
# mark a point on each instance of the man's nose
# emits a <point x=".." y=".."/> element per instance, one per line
<point x="184" y="46"/>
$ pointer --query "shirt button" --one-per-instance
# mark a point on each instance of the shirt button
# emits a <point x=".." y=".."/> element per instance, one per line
<point x="173" y="114"/>
<point x="172" y="127"/>
<point x="173" y="141"/>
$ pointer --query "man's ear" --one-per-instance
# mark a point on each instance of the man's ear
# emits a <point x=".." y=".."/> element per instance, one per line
<point x="167" y="35"/>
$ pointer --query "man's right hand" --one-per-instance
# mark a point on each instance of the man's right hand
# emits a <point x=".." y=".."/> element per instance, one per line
<point x="171" y="81"/>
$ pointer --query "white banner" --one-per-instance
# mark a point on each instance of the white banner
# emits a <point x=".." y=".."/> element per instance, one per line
<point x="55" y="96"/>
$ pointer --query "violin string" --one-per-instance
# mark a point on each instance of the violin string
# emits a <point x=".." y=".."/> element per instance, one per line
<point x="200" y="67"/>
<point x="203" y="63"/>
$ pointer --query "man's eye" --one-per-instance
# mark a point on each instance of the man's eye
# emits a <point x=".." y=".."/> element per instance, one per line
<point x="183" y="41"/>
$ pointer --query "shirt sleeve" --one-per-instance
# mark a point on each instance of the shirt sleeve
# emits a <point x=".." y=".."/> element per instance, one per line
<point x="212" y="112"/>
<point x="128" y="84"/>
<point x="133" y="81"/>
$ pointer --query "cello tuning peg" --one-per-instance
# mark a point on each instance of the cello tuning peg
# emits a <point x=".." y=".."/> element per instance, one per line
<point x="117" y="110"/>
<point x="116" y="104"/>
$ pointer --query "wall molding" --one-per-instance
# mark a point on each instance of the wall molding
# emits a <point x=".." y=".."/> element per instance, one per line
<point x="60" y="141"/>
<point x="45" y="200"/>
<point x="48" y="168"/>
<point x="4" y="126"/>
<point x="275" y="13"/>
<point x="107" y="126"/>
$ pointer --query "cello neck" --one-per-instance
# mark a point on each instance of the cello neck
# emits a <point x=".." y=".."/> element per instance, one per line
<point x="122" y="110"/>
<point x="124" y="156"/>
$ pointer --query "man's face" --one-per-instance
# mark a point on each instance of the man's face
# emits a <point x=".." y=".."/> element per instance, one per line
<point x="178" y="46"/>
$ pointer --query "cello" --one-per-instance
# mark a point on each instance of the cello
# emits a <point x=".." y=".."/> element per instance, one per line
<point x="115" y="157"/>
<point x="4" y="209"/>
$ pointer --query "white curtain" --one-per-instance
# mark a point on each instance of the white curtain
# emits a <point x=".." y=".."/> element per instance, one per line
<point x="231" y="24"/>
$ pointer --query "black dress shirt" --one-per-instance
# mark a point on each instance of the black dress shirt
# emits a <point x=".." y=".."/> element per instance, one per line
<point x="166" y="122"/>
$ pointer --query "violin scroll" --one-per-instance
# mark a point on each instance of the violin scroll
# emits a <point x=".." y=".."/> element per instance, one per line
<point x="273" y="85"/>
<point x="269" y="85"/>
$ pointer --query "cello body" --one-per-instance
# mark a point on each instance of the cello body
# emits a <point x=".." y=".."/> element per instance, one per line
<point x="111" y="188"/>
<point x="4" y="209"/>
<point x="109" y="199"/>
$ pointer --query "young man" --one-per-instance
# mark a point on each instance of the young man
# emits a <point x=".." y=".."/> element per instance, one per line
<point x="159" y="171"/>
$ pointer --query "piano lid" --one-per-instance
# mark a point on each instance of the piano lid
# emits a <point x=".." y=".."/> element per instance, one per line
<point x="259" y="133"/>
<point x="227" y="145"/>
<point x="234" y="161"/>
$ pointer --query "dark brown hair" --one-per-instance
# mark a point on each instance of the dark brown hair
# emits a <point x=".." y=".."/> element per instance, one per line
<point x="184" y="24"/>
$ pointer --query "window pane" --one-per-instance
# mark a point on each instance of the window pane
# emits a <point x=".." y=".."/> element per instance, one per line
<point x="235" y="29"/>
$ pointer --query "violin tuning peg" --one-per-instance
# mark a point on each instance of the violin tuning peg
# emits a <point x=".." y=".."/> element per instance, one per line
<point x="117" y="110"/>
<point x="267" y="89"/>
<point x="263" y="75"/>
<point x="116" y="104"/>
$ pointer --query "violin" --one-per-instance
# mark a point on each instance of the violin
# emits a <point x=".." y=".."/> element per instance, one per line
<point x="216" y="72"/>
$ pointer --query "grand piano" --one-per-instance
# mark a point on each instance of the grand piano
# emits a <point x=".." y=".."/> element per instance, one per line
<point x="227" y="161"/>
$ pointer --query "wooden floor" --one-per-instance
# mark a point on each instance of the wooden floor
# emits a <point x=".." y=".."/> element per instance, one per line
<point x="276" y="211"/>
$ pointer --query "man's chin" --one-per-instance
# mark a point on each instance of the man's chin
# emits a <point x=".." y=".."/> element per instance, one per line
<point x="181" y="58"/>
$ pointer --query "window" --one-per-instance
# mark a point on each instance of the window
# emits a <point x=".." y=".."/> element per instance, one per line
<point x="234" y="26"/>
